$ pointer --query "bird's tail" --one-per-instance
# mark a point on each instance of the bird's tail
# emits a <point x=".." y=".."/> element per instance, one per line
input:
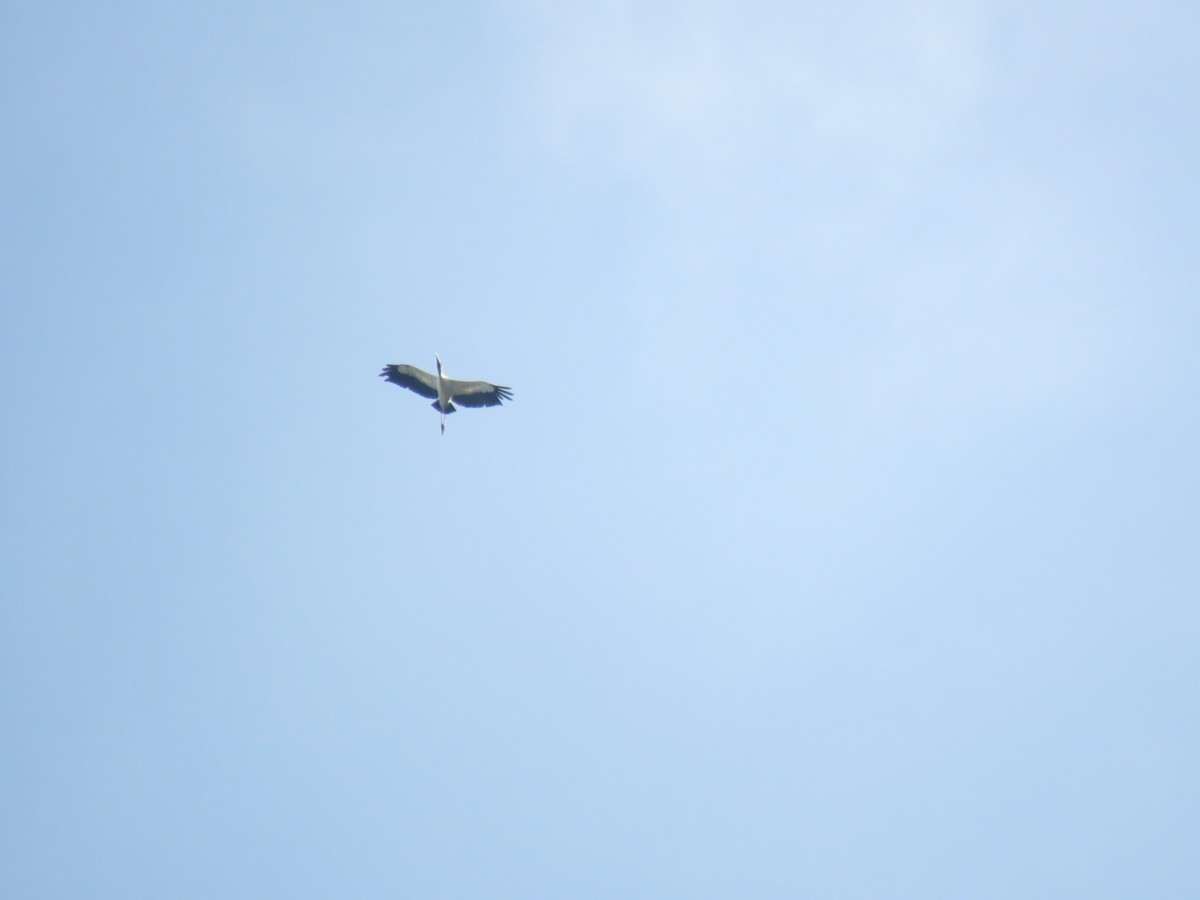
<point x="450" y="408"/>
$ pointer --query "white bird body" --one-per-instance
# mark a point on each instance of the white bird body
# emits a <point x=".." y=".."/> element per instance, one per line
<point x="444" y="399"/>
<point x="444" y="390"/>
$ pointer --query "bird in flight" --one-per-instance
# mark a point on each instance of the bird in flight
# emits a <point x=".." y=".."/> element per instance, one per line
<point x="446" y="392"/>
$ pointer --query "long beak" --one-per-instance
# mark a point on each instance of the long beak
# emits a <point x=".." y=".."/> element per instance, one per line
<point x="439" y="363"/>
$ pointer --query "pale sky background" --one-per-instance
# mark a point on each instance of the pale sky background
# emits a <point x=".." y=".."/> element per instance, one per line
<point x="840" y="540"/>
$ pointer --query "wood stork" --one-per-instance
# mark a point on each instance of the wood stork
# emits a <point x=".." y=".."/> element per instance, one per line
<point x="446" y="391"/>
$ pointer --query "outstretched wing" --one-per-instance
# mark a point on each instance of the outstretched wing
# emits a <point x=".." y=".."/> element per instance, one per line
<point x="476" y="393"/>
<point x="412" y="378"/>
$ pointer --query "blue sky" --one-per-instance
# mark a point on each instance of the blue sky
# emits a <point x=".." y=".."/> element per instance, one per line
<point x="839" y="542"/>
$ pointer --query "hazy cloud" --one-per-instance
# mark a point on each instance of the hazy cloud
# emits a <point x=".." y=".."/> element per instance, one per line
<point x="728" y="84"/>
